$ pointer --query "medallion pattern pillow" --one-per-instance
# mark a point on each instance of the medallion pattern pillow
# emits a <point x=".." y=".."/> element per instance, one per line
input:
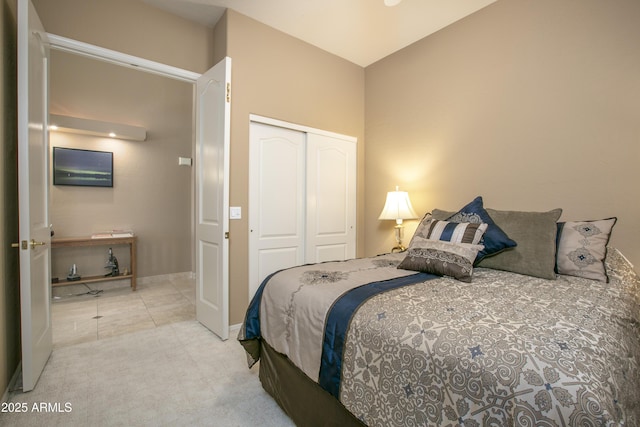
<point x="582" y="248"/>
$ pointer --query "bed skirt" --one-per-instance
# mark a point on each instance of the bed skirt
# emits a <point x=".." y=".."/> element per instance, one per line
<point x="306" y="403"/>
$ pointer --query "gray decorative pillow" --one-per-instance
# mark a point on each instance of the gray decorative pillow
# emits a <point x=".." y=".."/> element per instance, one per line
<point x="442" y="258"/>
<point x="422" y="231"/>
<point x="441" y="215"/>
<point x="582" y="248"/>
<point x="535" y="233"/>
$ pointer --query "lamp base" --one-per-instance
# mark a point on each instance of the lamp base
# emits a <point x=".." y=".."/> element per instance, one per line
<point x="399" y="232"/>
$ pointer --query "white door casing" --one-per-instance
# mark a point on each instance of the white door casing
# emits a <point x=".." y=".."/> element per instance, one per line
<point x="213" y="122"/>
<point x="33" y="195"/>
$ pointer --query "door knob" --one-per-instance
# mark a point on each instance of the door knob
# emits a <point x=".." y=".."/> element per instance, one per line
<point x="33" y="243"/>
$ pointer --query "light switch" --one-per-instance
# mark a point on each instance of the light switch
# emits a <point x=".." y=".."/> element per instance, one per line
<point x="184" y="161"/>
<point x="235" y="212"/>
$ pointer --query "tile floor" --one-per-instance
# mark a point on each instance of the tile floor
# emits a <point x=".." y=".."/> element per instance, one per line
<point x="90" y="312"/>
<point x="179" y="374"/>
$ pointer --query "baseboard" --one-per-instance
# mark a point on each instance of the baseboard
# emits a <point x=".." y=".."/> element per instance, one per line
<point x="12" y="383"/>
<point x="163" y="277"/>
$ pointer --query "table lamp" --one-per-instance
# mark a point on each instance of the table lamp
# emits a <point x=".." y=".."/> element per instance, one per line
<point x="398" y="207"/>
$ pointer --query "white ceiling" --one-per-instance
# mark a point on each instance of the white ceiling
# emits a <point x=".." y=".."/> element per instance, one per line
<point x="361" y="31"/>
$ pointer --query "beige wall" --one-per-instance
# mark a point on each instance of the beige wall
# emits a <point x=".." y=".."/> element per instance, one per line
<point x="152" y="195"/>
<point x="278" y="76"/>
<point x="132" y="27"/>
<point x="220" y="40"/>
<point x="9" y="281"/>
<point x="531" y="104"/>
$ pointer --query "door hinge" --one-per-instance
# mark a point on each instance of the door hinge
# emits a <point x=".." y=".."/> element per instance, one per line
<point x="226" y="234"/>
<point x="228" y="92"/>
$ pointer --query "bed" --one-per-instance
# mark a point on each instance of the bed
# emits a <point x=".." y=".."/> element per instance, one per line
<point x="458" y="337"/>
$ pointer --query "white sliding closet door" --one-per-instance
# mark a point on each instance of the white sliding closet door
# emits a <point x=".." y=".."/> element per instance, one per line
<point x="276" y="201"/>
<point x="302" y="198"/>
<point x="331" y="196"/>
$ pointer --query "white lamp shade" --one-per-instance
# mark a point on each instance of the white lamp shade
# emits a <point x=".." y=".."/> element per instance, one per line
<point x="398" y="206"/>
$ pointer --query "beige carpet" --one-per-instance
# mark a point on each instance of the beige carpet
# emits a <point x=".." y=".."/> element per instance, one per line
<point x="175" y="375"/>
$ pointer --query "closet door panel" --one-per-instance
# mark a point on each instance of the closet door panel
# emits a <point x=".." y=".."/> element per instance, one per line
<point x="331" y="196"/>
<point x="277" y="212"/>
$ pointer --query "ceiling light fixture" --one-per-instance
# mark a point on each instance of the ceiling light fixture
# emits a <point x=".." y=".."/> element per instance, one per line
<point x="391" y="2"/>
<point x="96" y="128"/>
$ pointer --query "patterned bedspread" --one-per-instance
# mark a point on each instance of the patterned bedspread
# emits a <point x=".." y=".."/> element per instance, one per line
<point x="504" y="350"/>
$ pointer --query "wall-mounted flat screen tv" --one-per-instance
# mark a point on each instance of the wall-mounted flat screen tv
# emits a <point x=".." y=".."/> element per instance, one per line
<point x="87" y="168"/>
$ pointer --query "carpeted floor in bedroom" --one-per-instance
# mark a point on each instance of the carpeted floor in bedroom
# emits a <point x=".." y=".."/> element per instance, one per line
<point x="174" y="374"/>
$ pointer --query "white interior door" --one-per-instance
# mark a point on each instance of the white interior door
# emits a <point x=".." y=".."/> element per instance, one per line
<point x="331" y="199"/>
<point x="213" y="129"/>
<point x="33" y="194"/>
<point x="277" y="201"/>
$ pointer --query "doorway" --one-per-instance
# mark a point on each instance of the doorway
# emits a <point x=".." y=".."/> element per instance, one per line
<point x="212" y="133"/>
<point x="152" y="196"/>
<point x="211" y="140"/>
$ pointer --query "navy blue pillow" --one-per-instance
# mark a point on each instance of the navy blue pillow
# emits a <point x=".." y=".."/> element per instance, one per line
<point x="495" y="240"/>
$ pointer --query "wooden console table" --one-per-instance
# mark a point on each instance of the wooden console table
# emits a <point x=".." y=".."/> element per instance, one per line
<point x="107" y="241"/>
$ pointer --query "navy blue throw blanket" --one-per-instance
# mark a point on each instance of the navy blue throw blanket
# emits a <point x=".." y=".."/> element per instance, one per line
<point x="252" y="317"/>
<point x="338" y="321"/>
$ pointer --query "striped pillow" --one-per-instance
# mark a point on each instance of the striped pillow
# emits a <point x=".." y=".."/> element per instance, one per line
<point x="455" y="232"/>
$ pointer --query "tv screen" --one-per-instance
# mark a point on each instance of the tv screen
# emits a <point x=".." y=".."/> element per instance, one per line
<point x="87" y="168"/>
